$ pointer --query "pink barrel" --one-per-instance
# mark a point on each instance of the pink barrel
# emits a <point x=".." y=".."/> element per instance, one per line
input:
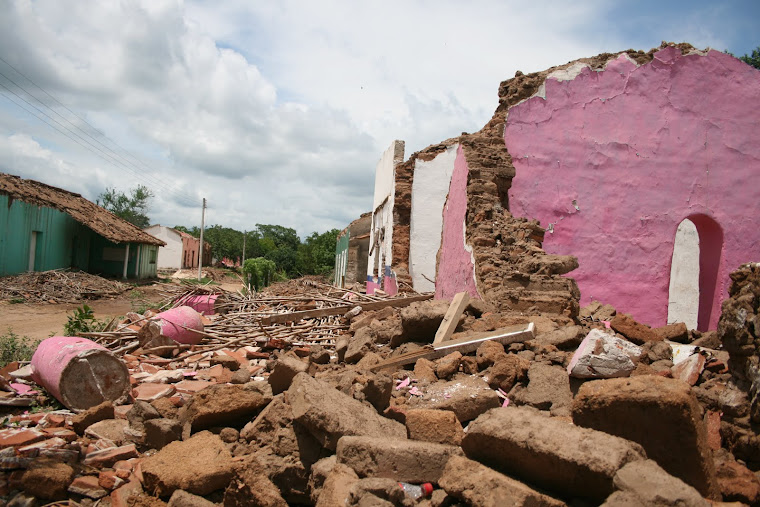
<point x="203" y="303"/>
<point x="79" y="372"/>
<point x="177" y="322"/>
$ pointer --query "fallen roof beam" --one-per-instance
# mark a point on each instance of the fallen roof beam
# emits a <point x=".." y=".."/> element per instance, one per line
<point x="464" y="345"/>
<point x="451" y="319"/>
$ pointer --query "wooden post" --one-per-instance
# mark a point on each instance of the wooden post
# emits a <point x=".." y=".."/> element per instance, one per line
<point x="464" y="345"/>
<point x="137" y="261"/>
<point x="126" y="262"/>
<point x="450" y="320"/>
<point x="200" y="247"/>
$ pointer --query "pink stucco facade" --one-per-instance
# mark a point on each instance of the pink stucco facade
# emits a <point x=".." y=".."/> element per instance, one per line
<point x="455" y="267"/>
<point x="612" y="161"/>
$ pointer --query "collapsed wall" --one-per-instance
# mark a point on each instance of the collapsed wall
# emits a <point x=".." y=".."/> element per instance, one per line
<point x="507" y="265"/>
<point x="602" y="159"/>
<point x="380" y="263"/>
<point x="612" y="158"/>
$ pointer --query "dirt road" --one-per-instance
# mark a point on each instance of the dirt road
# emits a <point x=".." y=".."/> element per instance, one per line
<point x="38" y="321"/>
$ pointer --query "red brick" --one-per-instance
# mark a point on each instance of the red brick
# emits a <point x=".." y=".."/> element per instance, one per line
<point x="15" y="438"/>
<point x="108" y="479"/>
<point x="63" y="433"/>
<point x="108" y="457"/>
<point x="192" y="386"/>
<point x="149" y="368"/>
<point x="88" y="486"/>
<point x="120" y="495"/>
<point x="32" y="450"/>
<point x="239" y="357"/>
<point x="120" y="412"/>
<point x="54" y="420"/>
<point x="150" y="392"/>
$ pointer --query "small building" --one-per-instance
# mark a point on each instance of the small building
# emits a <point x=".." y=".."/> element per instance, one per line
<point x="190" y="247"/>
<point x="352" y="251"/>
<point x="44" y="227"/>
<point x="181" y="250"/>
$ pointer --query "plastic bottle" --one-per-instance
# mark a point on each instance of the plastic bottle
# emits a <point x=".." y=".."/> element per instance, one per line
<point x="415" y="491"/>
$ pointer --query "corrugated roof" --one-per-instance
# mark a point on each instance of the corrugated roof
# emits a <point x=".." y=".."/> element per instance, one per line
<point x="95" y="217"/>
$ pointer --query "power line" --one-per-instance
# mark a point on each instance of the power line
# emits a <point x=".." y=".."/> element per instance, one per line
<point x="114" y="157"/>
<point x="62" y="132"/>
<point x="111" y="156"/>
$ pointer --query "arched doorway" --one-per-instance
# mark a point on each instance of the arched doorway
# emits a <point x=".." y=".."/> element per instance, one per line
<point x="696" y="264"/>
<point x="683" y="293"/>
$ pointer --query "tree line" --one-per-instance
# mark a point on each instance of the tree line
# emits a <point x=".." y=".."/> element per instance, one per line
<point x="292" y="257"/>
<point x="315" y="255"/>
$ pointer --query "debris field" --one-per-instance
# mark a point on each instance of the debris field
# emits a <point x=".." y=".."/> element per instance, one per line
<point x="307" y="394"/>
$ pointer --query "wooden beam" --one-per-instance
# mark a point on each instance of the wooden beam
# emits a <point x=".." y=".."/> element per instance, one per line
<point x="451" y="319"/>
<point x="466" y="344"/>
<point x="279" y="318"/>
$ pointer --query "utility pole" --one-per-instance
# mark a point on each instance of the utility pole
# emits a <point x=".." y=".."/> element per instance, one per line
<point x="200" y="250"/>
<point x="244" y="233"/>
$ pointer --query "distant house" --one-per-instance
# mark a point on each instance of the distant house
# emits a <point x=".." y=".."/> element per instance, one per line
<point x="181" y="250"/>
<point x="352" y="252"/>
<point x="44" y="227"/>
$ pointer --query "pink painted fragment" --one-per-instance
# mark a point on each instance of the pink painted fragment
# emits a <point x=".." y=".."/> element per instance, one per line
<point x="203" y="303"/>
<point x="178" y="324"/>
<point x="79" y="373"/>
<point x="403" y="383"/>
<point x="456" y="271"/>
<point x="415" y="392"/>
<point x="23" y="389"/>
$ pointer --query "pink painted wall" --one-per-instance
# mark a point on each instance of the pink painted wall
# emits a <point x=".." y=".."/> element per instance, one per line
<point x="456" y="272"/>
<point x="639" y="149"/>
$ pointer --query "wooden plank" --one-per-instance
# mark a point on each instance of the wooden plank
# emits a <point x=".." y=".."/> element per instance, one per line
<point x="451" y="319"/>
<point x="279" y="318"/>
<point x="464" y="345"/>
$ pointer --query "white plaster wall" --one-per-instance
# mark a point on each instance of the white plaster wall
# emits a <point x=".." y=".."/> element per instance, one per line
<point x="429" y="190"/>
<point x="382" y="215"/>
<point x="169" y="256"/>
<point x="683" y="299"/>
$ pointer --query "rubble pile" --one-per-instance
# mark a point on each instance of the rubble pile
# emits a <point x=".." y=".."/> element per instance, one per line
<point x="58" y="286"/>
<point x="514" y="409"/>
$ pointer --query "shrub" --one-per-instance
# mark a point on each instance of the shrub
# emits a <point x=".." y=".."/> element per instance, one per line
<point x="82" y="320"/>
<point x="16" y="348"/>
<point x="259" y="272"/>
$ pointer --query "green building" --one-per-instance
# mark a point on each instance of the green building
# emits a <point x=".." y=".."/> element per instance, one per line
<point x="352" y="252"/>
<point x="44" y="227"/>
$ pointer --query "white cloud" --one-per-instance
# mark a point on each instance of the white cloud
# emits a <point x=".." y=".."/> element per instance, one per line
<point x="275" y="111"/>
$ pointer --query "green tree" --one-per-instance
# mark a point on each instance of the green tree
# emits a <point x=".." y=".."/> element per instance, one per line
<point x="194" y="231"/>
<point x="260" y="272"/>
<point x="280" y="245"/>
<point x="316" y="255"/>
<point x="752" y="59"/>
<point x="224" y="241"/>
<point x="133" y="207"/>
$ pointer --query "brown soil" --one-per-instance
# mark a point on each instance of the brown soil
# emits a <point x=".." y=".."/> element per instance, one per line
<point x="38" y="321"/>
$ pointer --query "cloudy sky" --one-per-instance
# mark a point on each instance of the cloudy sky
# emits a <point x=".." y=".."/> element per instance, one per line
<point x="277" y="111"/>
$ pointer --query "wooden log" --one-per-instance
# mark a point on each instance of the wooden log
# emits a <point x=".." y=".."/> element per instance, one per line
<point x="340" y="310"/>
<point x="451" y="319"/>
<point x="466" y="344"/>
